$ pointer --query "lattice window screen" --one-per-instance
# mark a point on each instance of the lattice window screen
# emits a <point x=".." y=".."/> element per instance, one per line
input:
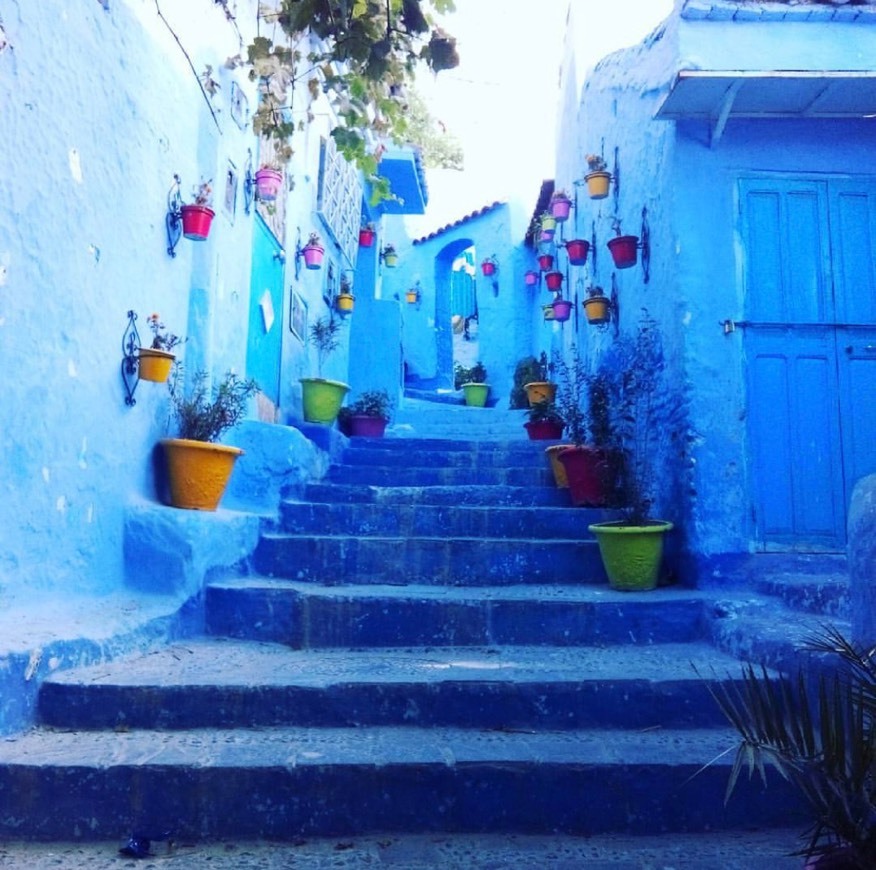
<point x="339" y="200"/>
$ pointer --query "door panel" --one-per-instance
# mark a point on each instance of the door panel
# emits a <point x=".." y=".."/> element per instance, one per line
<point x="265" y="311"/>
<point x="810" y="345"/>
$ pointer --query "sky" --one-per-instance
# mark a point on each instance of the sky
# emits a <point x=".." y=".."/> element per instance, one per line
<point x="501" y="100"/>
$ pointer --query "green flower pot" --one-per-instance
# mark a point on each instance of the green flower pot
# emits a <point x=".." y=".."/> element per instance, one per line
<point x="476" y="394"/>
<point x="631" y="554"/>
<point x="322" y="399"/>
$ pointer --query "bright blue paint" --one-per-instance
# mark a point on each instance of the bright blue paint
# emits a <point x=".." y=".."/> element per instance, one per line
<point x="263" y="345"/>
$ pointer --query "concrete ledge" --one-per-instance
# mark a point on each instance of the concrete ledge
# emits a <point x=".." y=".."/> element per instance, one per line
<point x="862" y="560"/>
<point x="169" y="551"/>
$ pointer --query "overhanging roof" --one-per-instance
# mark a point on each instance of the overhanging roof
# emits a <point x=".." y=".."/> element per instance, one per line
<point x="718" y="95"/>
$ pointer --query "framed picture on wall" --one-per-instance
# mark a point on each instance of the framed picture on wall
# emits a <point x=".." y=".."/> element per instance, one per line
<point x="298" y="316"/>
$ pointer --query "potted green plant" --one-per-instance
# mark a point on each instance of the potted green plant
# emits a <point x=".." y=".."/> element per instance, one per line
<point x="632" y="548"/>
<point x="473" y="383"/>
<point x="818" y="730"/>
<point x="154" y="362"/>
<point x="313" y="252"/>
<point x="541" y="388"/>
<point x="587" y="460"/>
<point x="597" y="179"/>
<point x="545" y="422"/>
<point x="197" y="216"/>
<point x="368" y="416"/>
<point x="322" y="397"/>
<point x="198" y="468"/>
<point x="345" y="300"/>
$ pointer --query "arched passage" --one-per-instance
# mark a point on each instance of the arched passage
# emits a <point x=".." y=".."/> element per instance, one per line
<point x="456" y="307"/>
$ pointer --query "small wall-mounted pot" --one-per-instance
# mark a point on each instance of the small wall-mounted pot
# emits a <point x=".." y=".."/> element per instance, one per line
<point x="577" y="249"/>
<point x="545" y="262"/>
<point x="488" y="267"/>
<point x="597" y="309"/>
<point x="530" y="278"/>
<point x="313" y="255"/>
<point x="196" y="221"/>
<point x="598" y="184"/>
<point x="344" y="302"/>
<point x="548" y="311"/>
<point x="268" y="182"/>
<point x="366" y="237"/>
<point x="154" y="365"/>
<point x="554" y="280"/>
<point x="623" y="251"/>
<point x="560" y="208"/>
<point x="562" y="309"/>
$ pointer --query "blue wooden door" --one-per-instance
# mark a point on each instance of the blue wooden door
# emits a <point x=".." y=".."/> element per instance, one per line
<point x="810" y="338"/>
<point x="264" y="344"/>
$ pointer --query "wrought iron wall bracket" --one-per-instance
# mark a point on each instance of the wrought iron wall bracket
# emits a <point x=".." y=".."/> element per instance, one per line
<point x="248" y="183"/>
<point x="173" y="218"/>
<point x="130" y="363"/>
<point x="645" y="243"/>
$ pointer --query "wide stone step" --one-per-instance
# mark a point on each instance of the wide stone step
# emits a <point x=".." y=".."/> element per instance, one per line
<point x="503" y="456"/>
<point x="428" y="560"/>
<point x="431" y="520"/>
<point x="305" y="615"/>
<point x="285" y="783"/>
<point x="435" y="475"/>
<point x="450" y="495"/>
<point x="237" y="684"/>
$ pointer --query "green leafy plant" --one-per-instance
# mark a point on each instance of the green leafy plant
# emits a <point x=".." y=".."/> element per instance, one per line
<point x="325" y="334"/>
<point x="596" y="163"/>
<point x="372" y="403"/>
<point x="572" y="394"/>
<point x="477" y="374"/>
<point x="161" y="338"/>
<point x="528" y="370"/>
<point x="545" y="412"/>
<point x="205" y="414"/>
<point x="367" y="53"/>
<point x="817" y="730"/>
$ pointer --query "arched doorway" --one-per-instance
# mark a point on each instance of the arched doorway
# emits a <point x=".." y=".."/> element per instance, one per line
<point x="457" y="315"/>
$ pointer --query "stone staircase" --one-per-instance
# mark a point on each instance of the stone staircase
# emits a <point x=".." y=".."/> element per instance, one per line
<point x="424" y="641"/>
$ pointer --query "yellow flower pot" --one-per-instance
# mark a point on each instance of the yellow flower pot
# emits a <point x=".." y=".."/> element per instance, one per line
<point x="345" y="301"/>
<point x="540" y="391"/>
<point x="598" y="184"/>
<point x="559" y="470"/>
<point x="412" y="296"/>
<point x="198" y="472"/>
<point x="154" y="365"/>
<point x="596" y="308"/>
<point x="391" y="260"/>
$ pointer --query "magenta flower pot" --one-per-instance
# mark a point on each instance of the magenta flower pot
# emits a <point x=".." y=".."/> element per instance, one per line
<point x="577" y="249"/>
<point x="562" y="309"/>
<point x="313" y="255"/>
<point x="531" y="278"/>
<point x="268" y="183"/>
<point x="624" y="251"/>
<point x="554" y="280"/>
<point x="560" y="209"/>
<point x="545" y="262"/>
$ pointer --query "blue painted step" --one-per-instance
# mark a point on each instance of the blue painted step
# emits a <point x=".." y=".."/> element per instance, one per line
<point x="225" y="684"/>
<point x="429" y="475"/>
<point x="307" y="616"/>
<point x="400" y="519"/>
<point x="428" y="560"/>
<point x="452" y="495"/>
<point x="286" y="782"/>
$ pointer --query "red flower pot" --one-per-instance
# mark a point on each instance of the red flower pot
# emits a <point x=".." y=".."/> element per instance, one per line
<point x="531" y="278"/>
<point x="545" y="262"/>
<point x="313" y="255"/>
<point x="268" y="183"/>
<point x="577" y="249"/>
<point x="589" y="471"/>
<point x="366" y="238"/>
<point x="196" y="220"/>
<point x="544" y="430"/>
<point x="624" y="251"/>
<point x="560" y="208"/>
<point x="366" y="426"/>
<point x="554" y="280"/>
<point x="488" y="268"/>
<point x="562" y="309"/>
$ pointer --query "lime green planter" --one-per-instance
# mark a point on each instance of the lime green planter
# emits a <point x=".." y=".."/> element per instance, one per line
<point x="476" y="394"/>
<point x="322" y="399"/>
<point x="631" y="554"/>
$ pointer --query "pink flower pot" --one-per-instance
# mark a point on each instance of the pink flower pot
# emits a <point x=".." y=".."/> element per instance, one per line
<point x="488" y="268"/>
<point x="268" y="183"/>
<point x="196" y="220"/>
<point x="560" y="209"/>
<point x="531" y="278"/>
<point x="313" y="255"/>
<point x="562" y="310"/>
<point x="366" y="238"/>
<point x="365" y="426"/>
<point x="624" y="251"/>
<point x="545" y="262"/>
